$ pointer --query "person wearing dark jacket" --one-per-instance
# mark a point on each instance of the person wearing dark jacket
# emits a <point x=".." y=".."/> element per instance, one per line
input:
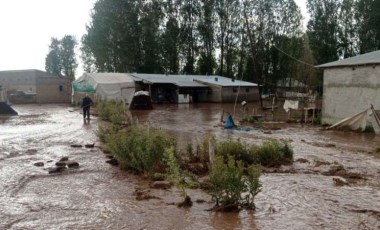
<point x="86" y="105"/>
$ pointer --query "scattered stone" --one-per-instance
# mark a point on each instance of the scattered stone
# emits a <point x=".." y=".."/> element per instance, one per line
<point x="64" y="159"/>
<point x="112" y="162"/>
<point x="339" y="181"/>
<point x="335" y="170"/>
<point x="267" y="132"/>
<point x="89" y="145"/>
<point x="39" y="164"/>
<point x="109" y="156"/>
<point x="57" y="169"/>
<point x="72" y="164"/>
<point x="161" y="185"/>
<point x="200" y="201"/>
<point x="76" y="146"/>
<point x="49" y="161"/>
<point x="302" y="140"/>
<point x="60" y="163"/>
<point x="186" y="202"/>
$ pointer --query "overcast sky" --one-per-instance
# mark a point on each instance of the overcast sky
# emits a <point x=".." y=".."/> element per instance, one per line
<point x="28" y="25"/>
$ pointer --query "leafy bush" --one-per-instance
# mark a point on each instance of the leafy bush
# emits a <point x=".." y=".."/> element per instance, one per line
<point x="112" y="111"/>
<point x="272" y="153"/>
<point x="203" y="151"/>
<point x="253" y="185"/>
<point x="174" y="174"/>
<point x="228" y="184"/>
<point x="234" y="148"/>
<point x="141" y="149"/>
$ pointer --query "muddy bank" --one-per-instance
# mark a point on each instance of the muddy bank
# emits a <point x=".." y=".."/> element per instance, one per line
<point x="98" y="195"/>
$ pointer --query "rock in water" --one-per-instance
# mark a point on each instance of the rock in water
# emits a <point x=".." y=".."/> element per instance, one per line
<point x="60" y="163"/>
<point x="57" y="169"/>
<point x="89" y="145"/>
<point x="64" y="159"/>
<point x="73" y="164"/>
<point x="39" y="164"/>
<point x="161" y="185"/>
<point x="113" y="162"/>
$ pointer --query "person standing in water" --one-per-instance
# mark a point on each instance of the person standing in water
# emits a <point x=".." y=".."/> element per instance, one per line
<point x="86" y="105"/>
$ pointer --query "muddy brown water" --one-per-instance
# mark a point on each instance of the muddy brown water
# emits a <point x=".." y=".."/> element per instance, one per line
<point x="100" y="196"/>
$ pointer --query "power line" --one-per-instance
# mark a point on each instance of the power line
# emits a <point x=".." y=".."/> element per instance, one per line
<point x="294" y="57"/>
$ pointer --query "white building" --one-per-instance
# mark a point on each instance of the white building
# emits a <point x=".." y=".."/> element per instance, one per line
<point x="350" y="86"/>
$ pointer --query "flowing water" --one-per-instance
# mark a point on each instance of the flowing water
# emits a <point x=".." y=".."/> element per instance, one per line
<point x="100" y="196"/>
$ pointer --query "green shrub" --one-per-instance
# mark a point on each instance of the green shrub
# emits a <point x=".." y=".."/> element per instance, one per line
<point x="174" y="174"/>
<point x="272" y="153"/>
<point x="253" y="184"/>
<point x="228" y="184"/>
<point x="234" y="148"/>
<point x="104" y="133"/>
<point x="203" y="151"/>
<point x="141" y="149"/>
<point x="112" y="111"/>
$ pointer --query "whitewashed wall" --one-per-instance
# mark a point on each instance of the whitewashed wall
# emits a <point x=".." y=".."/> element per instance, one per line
<point x="348" y="90"/>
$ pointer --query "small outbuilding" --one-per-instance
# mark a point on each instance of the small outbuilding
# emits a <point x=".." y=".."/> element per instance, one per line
<point x="35" y="86"/>
<point x="350" y="86"/>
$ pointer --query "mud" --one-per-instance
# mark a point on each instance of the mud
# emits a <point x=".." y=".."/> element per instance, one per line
<point x="97" y="195"/>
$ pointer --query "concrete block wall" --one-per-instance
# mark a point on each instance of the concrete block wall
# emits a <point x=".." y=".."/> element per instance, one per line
<point x="349" y="90"/>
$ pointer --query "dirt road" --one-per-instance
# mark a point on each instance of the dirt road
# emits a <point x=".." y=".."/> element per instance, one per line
<point x="99" y="196"/>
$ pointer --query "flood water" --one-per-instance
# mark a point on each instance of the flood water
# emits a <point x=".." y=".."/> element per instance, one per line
<point x="100" y="196"/>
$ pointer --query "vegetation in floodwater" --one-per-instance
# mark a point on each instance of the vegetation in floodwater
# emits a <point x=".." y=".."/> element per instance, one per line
<point x="230" y="188"/>
<point x="234" y="167"/>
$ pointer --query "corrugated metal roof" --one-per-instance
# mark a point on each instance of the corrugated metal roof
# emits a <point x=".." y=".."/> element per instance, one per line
<point x="364" y="59"/>
<point x="178" y="80"/>
<point x="224" y="81"/>
<point x="190" y="80"/>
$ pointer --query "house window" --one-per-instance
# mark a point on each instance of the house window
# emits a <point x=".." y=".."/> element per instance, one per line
<point x="60" y="88"/>
<point x="234" y="90"/>
<point x="247" y="90"/>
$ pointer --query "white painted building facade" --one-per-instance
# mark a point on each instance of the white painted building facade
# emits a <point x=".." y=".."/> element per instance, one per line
<point x="350" y="86"/>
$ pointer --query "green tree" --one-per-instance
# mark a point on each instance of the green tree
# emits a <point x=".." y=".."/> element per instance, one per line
<point x="188" y="35"/>
<point x="67" y="56"/>
<point x="113" y="36"/>
<point x="323" y="29"/>
<point x="151" y="17"/>
<point x="170" y="37"/>
<point x="52" y="61"/>
<point x="368" y="18"/>
<point x="61" y="58"/>
<point x="206" y="24"/>
<point x="348" y="30"/>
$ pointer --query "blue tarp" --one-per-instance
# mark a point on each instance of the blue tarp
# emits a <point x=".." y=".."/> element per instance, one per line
<point x="229" y="123"/>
